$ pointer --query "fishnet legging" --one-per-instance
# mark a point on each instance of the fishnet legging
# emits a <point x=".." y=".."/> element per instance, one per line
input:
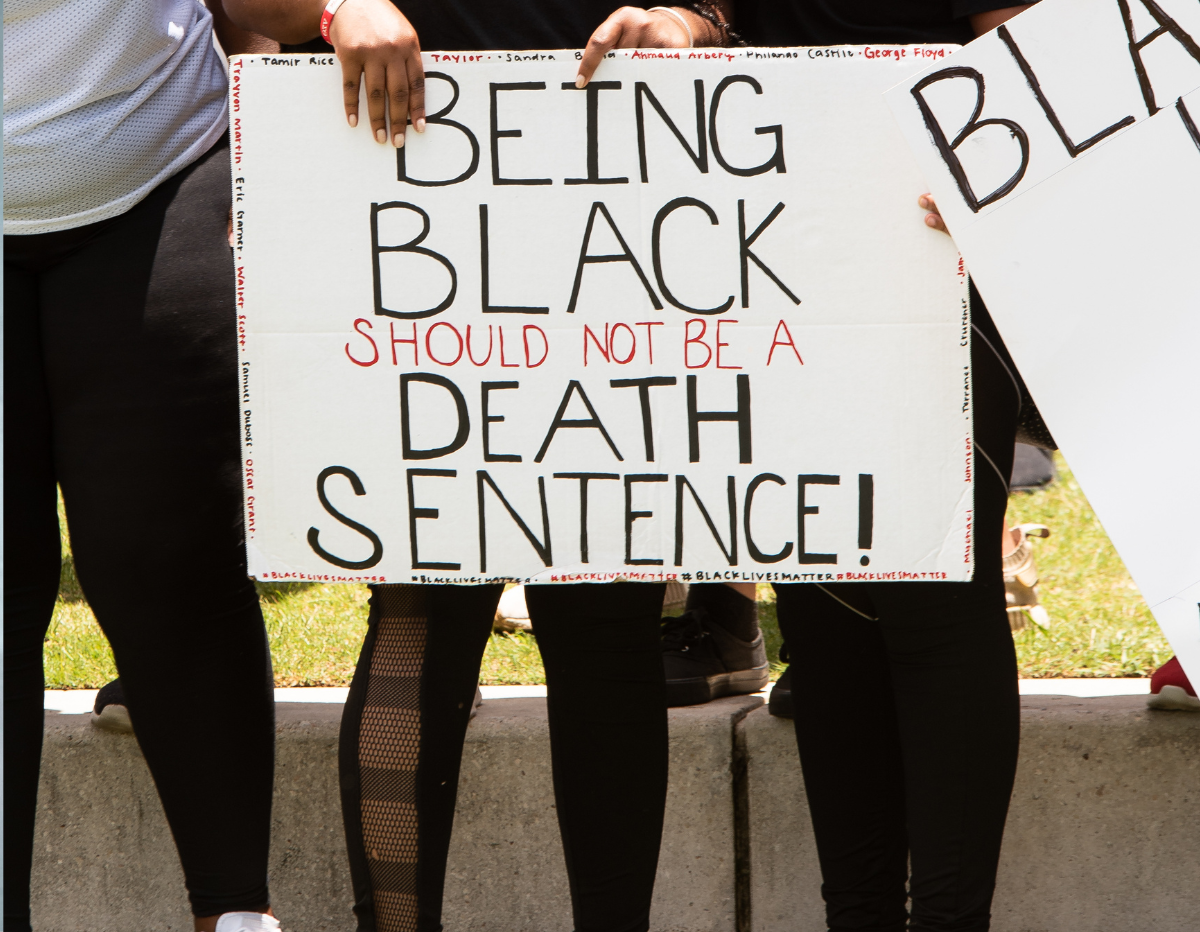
<point x="389" y="742"/>
<point x="406" y="718"/>
<point x="401" y="747"/>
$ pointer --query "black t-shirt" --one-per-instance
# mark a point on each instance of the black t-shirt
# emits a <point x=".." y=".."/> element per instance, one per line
<point x="859" y="22"/>
<point x="471" y="25"/>
<point x="474" y="25"/>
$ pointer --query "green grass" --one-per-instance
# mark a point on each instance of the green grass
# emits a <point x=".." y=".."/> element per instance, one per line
<point x="1100" y="624"/>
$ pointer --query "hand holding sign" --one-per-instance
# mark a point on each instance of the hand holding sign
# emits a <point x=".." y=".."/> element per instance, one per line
<point x="378" y="49"/>
<point x="933" y="219"/>
<point x="631" y="27"/>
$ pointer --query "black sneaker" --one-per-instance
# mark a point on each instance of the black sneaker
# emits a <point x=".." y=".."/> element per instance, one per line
<point x="780" y="703"/>
<point x="703" y="661"/>
<point x="110" y="712"/>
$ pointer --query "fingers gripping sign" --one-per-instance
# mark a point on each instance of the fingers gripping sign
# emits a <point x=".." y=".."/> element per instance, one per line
<point x="933" y="219"/>
<point x="381" y="57"/>
<point x="634" y="28"/>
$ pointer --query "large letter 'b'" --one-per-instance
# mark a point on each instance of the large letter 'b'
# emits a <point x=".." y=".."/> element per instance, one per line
<point x="947" y="148"/>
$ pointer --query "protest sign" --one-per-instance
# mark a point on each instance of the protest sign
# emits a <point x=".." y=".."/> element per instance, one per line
<point x="685" y="323"/>
<point x="1073" y="197"/>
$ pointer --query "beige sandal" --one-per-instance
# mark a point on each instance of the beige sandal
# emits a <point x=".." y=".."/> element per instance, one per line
<point x="1021" y="579"/>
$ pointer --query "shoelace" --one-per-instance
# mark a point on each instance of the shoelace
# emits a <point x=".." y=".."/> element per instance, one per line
<point x="680" y="632"/>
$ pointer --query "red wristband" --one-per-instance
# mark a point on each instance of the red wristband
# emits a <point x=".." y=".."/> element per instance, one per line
<point x="327" y="17"/>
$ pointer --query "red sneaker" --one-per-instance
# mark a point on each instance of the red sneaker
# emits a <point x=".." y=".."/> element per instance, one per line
<point x="1170" y="689"/>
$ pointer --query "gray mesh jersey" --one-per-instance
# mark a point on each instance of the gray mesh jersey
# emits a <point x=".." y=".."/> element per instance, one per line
<point x="103" y="101"/>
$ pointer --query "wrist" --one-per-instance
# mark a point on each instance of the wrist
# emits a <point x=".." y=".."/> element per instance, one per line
<point x="327" y="14"/>
<point x="678" y="18"/>
<point x="707" y="35"/>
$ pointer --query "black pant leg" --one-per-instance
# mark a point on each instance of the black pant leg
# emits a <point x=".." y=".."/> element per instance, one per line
<point x="31" y="563"/>
<point x="846" y="730"/>
<point x="946" y="654"/>
<point x="954" y="670"/>
<point x="350" y="783"/>
<point x="401" y="747"/>
<point x="460" y="623"/>
<point x="139" y="343"/>
<point x="608" y="731"/>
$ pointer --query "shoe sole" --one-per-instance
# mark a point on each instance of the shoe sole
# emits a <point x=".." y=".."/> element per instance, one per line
<point x="701" y="689"/>
<point x="1173" y="699"/>
<point x="780" y="703"/>
<point x="114" y="718"/>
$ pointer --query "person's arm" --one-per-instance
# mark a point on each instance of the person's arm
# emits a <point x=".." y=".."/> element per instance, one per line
<point x="986" y="22"/>
<point x="375" y="44"/>
<point x="235" y="40"/>
<point x="632" y="27"/>
<point x="981" y="23"/>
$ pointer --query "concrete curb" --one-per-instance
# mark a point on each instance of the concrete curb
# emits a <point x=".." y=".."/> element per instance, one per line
<point x="104" y="859"/>
<point x="1103" y="834"/>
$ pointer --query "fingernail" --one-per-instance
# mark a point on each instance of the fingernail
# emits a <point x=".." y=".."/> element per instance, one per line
<point x="580" y="81"/>
<point x="353" y="120"/>
<point x="380" y="135"/>
<point x="398" y="140"/>
<point x="419" y="125"/>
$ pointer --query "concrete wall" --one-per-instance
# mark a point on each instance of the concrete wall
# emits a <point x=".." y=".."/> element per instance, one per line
<point x="104" y="859"/>
<point x="1104" y="834"/>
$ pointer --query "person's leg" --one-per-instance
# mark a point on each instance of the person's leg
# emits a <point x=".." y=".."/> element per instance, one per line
<point x="401" y="747"/>
<point x="845" y="720"/>
<point x="141" y="361"/>
<point x="730" y="605"/>
<point x="31" y="564"/>
<point x="608" y="736"/>
<point x="915" y="755"/>
<point x="954" y="672"/>
<point x="931" y="721"/>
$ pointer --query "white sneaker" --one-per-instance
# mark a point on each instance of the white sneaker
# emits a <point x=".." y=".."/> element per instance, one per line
<point x="247" y="922"/>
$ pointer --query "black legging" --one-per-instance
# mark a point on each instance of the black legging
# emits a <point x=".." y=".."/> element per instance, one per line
<point x="906" y="711"/>
<point x="406" y="718"/>
<point x="120" y="385"/>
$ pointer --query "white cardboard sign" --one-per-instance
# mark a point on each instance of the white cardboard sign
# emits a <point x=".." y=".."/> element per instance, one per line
<point x="1088" y="259"/>
<point x="684" y="324"/>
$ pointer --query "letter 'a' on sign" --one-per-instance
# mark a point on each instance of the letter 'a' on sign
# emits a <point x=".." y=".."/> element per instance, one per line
<point x="577" y="335"/>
